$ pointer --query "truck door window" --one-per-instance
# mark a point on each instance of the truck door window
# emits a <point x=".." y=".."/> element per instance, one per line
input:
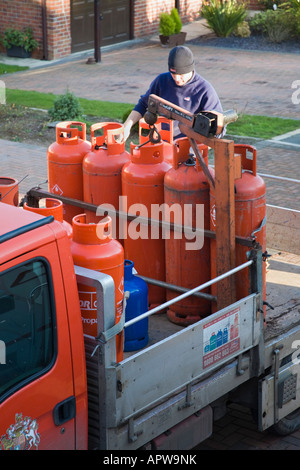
<point x="26" y="324"/>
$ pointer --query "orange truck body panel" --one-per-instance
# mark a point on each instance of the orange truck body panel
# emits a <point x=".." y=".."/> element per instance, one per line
<point x="186" y="184"/>
<point x="34" y="401"/>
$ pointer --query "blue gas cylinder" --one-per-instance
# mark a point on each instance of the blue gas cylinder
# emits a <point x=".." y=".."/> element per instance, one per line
<point x="136" y="335"/>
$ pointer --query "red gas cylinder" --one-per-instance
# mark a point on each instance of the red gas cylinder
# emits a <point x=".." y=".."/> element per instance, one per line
<point x="9" y="191"/>
<point x="143" y="191"/>
<point x="250" y="216"/>
<point x="165" y="128"/>
<point x="102" y="170"/>
<point x="188" y="254"/>
<point x="94" y="248"/>
<point x="49" y="206"/>
<point x="65" y="163"/>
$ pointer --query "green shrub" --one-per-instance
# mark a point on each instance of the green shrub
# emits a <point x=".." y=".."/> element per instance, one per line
<point x="293" y="7"/>
<point x="269" y="4"/>
<point x="176" y="18"/>
<point x="223" y="16"/>
<point x="278" y="26"/>
<point x="257" y="23"/>
<point x="297" y="18"/>
<point x="14" y="37"/>
<point x="170" y="23"/>
<point x="66" y="107"/>
<point x="166" y="24"/>
<point x="242" y="30"/>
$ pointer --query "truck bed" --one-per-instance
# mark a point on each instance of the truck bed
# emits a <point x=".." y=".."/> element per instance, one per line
<point x="144" y="405"/>
<point x="282" y="293"/>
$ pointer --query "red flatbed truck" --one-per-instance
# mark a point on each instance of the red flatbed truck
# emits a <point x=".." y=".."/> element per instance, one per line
<point x="61" y="389"/>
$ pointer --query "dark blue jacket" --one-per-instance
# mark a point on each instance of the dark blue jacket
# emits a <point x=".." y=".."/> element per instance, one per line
<point x="195" y="96"/>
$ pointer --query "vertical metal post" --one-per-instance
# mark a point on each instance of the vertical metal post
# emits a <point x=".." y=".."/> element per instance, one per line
<point x="258" y="353"/>
<point x="97" y="53"/>
<point x="103" y="357"/>
<point x="45" y="32"/>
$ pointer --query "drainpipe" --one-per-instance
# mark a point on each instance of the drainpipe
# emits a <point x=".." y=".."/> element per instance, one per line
<point x="44" y="28"/>
<point x="97" y="48"/>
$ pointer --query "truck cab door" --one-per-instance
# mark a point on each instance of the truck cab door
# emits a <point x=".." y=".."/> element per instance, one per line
<point x="37" y="404"/>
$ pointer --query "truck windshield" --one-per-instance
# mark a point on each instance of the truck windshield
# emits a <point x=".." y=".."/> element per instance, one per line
<point x="26" y="326"/>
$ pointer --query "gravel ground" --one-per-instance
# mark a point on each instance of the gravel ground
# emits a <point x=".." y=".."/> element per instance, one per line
<point x="257" y="43"/>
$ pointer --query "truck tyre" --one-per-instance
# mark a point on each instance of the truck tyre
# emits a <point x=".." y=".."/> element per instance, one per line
<point x="287" y="425"/>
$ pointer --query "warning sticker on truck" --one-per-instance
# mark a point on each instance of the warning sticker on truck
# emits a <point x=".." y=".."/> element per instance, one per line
<point x="221" y="337"/>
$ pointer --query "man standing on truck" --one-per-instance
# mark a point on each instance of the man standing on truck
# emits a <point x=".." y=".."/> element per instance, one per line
<point x="182" y="86"/>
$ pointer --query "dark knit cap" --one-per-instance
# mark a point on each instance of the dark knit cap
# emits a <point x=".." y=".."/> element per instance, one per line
<point x="181" y="60"/>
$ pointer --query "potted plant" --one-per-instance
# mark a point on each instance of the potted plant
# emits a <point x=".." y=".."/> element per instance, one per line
<point x="19" y="43"/>
<point x="170" y="29"/>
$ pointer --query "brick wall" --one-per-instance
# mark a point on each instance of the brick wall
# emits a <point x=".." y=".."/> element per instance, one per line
<point x="146" y="17"/>
<point x="254" y="5"/>
<point x="19" y="14"/>
<point x="59" y="28"/>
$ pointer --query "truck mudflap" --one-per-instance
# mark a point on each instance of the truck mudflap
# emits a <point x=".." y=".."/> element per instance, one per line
<point x="186" y="434"/>
<point x="148" y="393"/>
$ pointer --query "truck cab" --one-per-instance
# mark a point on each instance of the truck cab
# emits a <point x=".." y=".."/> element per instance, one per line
<point x="43" y="391"/>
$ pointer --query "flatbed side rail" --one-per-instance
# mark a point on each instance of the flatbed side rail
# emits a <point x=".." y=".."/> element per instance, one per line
<point x="187" y="294"/>
<point x="184" y="358"/>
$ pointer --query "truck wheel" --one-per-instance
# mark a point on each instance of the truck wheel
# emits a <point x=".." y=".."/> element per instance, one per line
<point x="288" y="424"/>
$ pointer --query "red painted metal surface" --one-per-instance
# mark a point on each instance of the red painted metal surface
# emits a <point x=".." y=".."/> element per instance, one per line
<point x="165" y="128"/>
<point x="94" y="248"/>
<point x="9" y="191"/>
<point x="64" y="158"/>
<point x="188" y="255"/>
<point x="51" y="207"/>
<point x="143" y="187"/>
<point x="102" y="169"/>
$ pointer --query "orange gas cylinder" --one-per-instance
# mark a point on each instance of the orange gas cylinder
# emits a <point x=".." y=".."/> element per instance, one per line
<point x="9" y="191"/>
<point x="188" y="254"/>
<point x="93" y="247"/>
<point x="165" y="128"/>
<point x="102" y="169"/>
<point x="143" y="191"/>
<point x="65" y="163"/>
<point x="49" y="206"/>
<point x="250" y="216"/>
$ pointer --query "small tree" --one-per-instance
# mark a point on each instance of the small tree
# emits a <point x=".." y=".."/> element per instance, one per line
<point x="176" y="18"/>
<point x="170" y="23"/>
<point x="166" y="24"/>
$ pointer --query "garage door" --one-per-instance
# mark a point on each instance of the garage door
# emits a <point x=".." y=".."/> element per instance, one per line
<point x="114" y="24"/>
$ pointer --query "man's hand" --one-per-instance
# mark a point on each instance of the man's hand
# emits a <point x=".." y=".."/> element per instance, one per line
<point x="132" y="119"/>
